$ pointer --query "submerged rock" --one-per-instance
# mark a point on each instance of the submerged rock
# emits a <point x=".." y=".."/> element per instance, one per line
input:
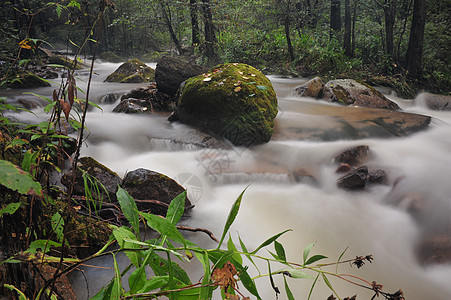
<point x="171" y="72"/>
<point x="102" y="179"/>
<point x="352" y="92"/>
<point x="234" y="101"/>
<point x="134" y="106"/>
<point x="435" y="102"/>
<point x="28" y="80"/>
<point x="131" y="71"/>
<point x="143" y="184"/>
<point x="149" y="98"/>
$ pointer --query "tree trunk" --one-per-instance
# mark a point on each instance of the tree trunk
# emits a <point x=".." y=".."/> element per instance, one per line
<point x="167" y="17"/>
<point x="335" y="17"/>
<point x="194" y="22"/>
<point x="415" y="48"/>
<point x="389" y="18"/>
<point x="210" y="38"/>
<point x="287" y="35"/>
<point x="354" y="19"/>
<point x="347" y="36"/>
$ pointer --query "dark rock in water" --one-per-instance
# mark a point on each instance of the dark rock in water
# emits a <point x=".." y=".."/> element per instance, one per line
<point x="143" y="184"/>
<point x="101" y="173"/>
<point x="234" y="101"/>
<point x="28" y="104"/>
<point x="330" y="123"/>
<point x="354" y="179"/>
<point x="312" y="88"/>
<point x="354" y="156"/>
<point x="134" y="106"/>
<point x="157" y="100"/>
<point x="109" y="98"/>
<point x="133" y="70"/>
<point x="28" y="80"/>
<point x="352" y="92"/>
<point x="435" y="249"/>
<point x="171" y="72"/>
<point x="173" y="117"/>
<point x="304" y="175"/>
<point x="377" y="176"/>
<point x="435" y="102"/>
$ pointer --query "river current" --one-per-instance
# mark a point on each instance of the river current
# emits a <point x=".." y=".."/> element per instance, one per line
<point x="365" y="222"/>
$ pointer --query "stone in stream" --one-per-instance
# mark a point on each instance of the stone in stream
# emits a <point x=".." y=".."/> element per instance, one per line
<point x="312" y="88"/>
<point x="353" y="156"/>
<point x="435" y="102"/>
<point x="132" y="71"/>
<point x="146" y="186"/>
<point x="100" y="175"/>
<point x="354" y="179"/>
<point x="172" y="71"/>
<point x="352" y="92"/>
<point x="233" y="101"/>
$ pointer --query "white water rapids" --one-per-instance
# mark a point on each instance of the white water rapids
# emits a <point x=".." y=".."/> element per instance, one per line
<point x="336" y="219"/>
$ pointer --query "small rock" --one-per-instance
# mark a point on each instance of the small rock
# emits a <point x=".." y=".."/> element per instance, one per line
<point x="435" y="249"/>
<point x="377" y="176"/>
<point x="304" y="175"/>
<point x="134" y="106"/>
<point x="354" y="179"/>
<point x="144" y="184"/>
<point x="353" y="156"/>
<point x="312" y="88"/>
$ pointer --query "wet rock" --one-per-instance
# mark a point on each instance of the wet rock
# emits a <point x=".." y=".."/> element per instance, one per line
<point x="354" y="179"/>
<point x="109" y="98"/>
<point x="435" y="102"/>
<point x="28" y="104"/>
<point x="171" y="72"/>
<point x="312" y="88"/>
<point x="353" y="156"/>
<point x="133" y="70"/>
<point x="435" y="249"/>
<point x="377" y="177"/>
<point x="158" y="101"/>
<point x="330" y="123"/>
<point x="352" y="92"/>
<point x="134" y="106"/>
<point x="233" y="101"/>
<point x="107" y="178"/>
<point x="143" y="184"/>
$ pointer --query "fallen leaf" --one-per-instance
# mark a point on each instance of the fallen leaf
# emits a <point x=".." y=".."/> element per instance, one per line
<point x="237" y="89"/>
<point x="245" y="77"/>
<point x="237" y="83"/>
<point x="207" y="79"/>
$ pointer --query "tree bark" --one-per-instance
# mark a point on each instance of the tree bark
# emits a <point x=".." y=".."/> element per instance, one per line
<point x="389" y="12"/>
<point x="415" y="48"/>
<point x="347" y="36"/>
<point x="210" y="39"/>
<point x="335" y="17"/>
<point x="167" y="17"/>
<point x="194" y="22"/>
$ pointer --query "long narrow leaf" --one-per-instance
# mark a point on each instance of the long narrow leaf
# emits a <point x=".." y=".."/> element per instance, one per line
<point x="246" y="253"/>
<point x="129" y="208"/>
<point x="176" y="208"/>
<point x="280" y="251"/>
<point x="231" y="218"/>
<point x="270" y="240"/>
<point x="164" y="227"/>
<point x="116" y="290"/>
<point x="306" y="252"/>
<point x="314" y="258"/>
<point x="313" y="286"/>
<point x="287" y="289"/>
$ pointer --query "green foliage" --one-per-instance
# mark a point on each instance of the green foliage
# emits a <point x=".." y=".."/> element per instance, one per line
<point x="12" y="177"/>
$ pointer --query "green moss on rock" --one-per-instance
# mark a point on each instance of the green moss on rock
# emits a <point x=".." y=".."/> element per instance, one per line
<point x="234" y="101"/>
<point x="134" y="71"/>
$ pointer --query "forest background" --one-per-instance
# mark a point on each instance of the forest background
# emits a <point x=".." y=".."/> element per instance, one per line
<point x="404" y="44"/>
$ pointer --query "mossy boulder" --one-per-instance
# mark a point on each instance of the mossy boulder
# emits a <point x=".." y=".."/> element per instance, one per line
<point x="355" y="93"/>
<point x="234" y="101"/>
<point x="132" y="71"/>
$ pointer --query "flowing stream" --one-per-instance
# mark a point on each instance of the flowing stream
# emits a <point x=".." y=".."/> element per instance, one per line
<point x="372" y="221"/>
